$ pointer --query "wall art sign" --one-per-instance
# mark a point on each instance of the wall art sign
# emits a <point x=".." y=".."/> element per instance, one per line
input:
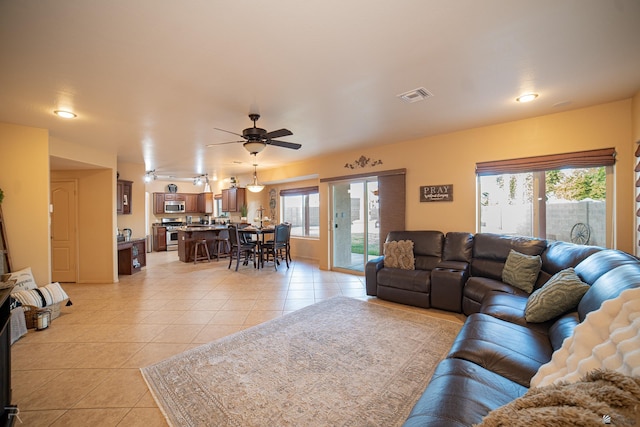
<point x="436" y="193"/>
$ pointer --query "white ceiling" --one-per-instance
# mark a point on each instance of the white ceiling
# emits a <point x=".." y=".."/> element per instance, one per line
<point x="153" y="78"/>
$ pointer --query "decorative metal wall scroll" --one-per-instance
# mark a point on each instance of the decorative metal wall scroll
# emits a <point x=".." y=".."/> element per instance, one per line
<point x="362" y="162"/>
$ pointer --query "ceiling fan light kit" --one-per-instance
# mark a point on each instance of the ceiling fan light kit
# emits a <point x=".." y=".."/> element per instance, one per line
<point x="254" y="147"/>
<point x="254" y="187"/>
<point x="256" y="139"/>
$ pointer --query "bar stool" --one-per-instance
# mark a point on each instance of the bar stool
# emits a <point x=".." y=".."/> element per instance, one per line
<point x="204" y="254"/>
<point x="222" y="241"/>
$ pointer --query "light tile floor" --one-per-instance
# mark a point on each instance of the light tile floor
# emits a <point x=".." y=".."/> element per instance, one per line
<point x="85" y="368"/>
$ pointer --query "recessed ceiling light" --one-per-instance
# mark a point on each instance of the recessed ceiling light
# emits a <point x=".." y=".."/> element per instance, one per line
<point x="64" y="114"/>
<point x="527" y="97"/>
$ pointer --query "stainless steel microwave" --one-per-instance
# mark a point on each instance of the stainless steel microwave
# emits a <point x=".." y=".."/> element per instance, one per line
<point x="174" y="206"/>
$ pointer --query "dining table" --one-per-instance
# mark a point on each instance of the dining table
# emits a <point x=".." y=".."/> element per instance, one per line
<point x="259" y="232"/>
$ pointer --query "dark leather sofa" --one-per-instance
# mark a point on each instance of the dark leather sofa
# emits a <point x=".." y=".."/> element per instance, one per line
<point x="497" y="351"/>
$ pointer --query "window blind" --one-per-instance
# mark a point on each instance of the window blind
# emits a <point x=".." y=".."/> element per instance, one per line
<point x="304" y="191"/>
<point x="580" y="159"/>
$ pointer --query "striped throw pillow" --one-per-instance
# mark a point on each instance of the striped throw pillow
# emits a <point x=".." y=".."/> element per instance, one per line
<point x="42" y="297"/>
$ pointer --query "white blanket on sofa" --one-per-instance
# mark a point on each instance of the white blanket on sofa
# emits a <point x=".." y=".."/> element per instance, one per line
<point x="607" y="338"/>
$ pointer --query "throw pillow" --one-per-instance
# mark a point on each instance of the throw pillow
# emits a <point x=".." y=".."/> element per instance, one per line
<point x="399" y="254"/>
<point x="42" y="297"/>
<point x="521" y="270"/>
<point x="560" y="294"/>
<point x="24" y="279"/>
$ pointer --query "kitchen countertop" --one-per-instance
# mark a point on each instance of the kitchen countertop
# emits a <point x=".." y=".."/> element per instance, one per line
<point x="125" y="244"/>
<point x="201" y="227"/>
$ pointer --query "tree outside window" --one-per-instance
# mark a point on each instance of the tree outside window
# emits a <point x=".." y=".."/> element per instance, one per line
<point x="560" y="204"/>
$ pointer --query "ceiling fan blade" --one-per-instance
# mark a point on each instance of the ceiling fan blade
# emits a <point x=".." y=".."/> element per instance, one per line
<point x="278" y="133"/>
<point x="228" y="131"/>
<point x="224" y="143"/>
<point x="284" y="144"/>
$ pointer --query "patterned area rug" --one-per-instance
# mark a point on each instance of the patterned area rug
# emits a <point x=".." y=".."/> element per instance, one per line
<point x="336" y="363"/>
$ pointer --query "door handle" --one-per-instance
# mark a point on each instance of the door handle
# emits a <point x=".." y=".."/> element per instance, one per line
<point x="336" y="225"/>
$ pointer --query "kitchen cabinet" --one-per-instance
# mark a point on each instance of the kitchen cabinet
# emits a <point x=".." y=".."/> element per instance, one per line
<point x="159" y="238"/>
<point x="123" y="202"/>
<point x="205" y="203"/>
<point x="191" y="203"/>
<point x="181" y="197"/>
<point x="233" y="199"/>
<point x="158" y="203"/>
<point x="132" y="256"/>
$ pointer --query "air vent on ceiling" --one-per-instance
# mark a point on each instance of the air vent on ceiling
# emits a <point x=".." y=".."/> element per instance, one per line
<point x="415" y="95"/>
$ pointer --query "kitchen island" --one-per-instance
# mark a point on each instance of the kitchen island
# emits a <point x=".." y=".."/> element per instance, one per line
<point x="188" y="235"/>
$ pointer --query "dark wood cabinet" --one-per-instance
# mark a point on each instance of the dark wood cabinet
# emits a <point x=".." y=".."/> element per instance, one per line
<point x="191" y="203"/>
<point x="159" y="238"/>
<point x="132" y="256"/>
<point x="181" y="197"/>
<point x="233" y="199"/>
<point x="158" y="203"/>
<point x="205" y="203"/>
<point x="123" y="202"/>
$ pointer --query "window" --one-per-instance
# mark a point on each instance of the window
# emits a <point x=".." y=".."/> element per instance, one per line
<point x="301" y="208"/>
<point x="555" y="200"/>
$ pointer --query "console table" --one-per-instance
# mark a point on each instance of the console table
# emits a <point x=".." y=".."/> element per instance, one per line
<point x="132" y="256"/>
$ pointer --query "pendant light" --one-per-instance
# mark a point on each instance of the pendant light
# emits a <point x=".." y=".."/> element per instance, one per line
<point x="255" y="187"/>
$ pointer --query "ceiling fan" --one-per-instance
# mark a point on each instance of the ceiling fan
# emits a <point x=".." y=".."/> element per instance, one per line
<point x="256" y="139"/>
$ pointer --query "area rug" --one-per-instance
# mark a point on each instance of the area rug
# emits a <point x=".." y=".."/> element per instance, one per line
<point x="340" y="362"/>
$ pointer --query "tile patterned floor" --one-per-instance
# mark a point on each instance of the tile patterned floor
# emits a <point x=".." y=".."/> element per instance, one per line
<point x="84" y="369"/>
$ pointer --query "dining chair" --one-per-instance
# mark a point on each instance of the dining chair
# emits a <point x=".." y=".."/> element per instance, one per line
<point x="288" y="248"/>
<point x="273" y="247"/>
<point x="245" y="237"/>
<point x="238" y="248"/>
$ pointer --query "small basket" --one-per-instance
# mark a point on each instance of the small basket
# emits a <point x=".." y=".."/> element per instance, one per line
<point x="31" y="313"/>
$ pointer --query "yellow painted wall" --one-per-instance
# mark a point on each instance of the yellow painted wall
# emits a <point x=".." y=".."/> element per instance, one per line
<point x="451" y="159"/>
<point x="24" y="178"/>
<point x="98" y="158"/>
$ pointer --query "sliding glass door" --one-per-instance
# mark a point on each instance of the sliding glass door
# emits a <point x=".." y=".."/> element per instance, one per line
<point x="355" y="223"/>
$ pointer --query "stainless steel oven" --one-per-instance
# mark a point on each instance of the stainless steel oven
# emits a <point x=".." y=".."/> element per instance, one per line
<point x="174" y="206"/>
<point x="172" y="225"/>
<point x="172" y="238"/>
